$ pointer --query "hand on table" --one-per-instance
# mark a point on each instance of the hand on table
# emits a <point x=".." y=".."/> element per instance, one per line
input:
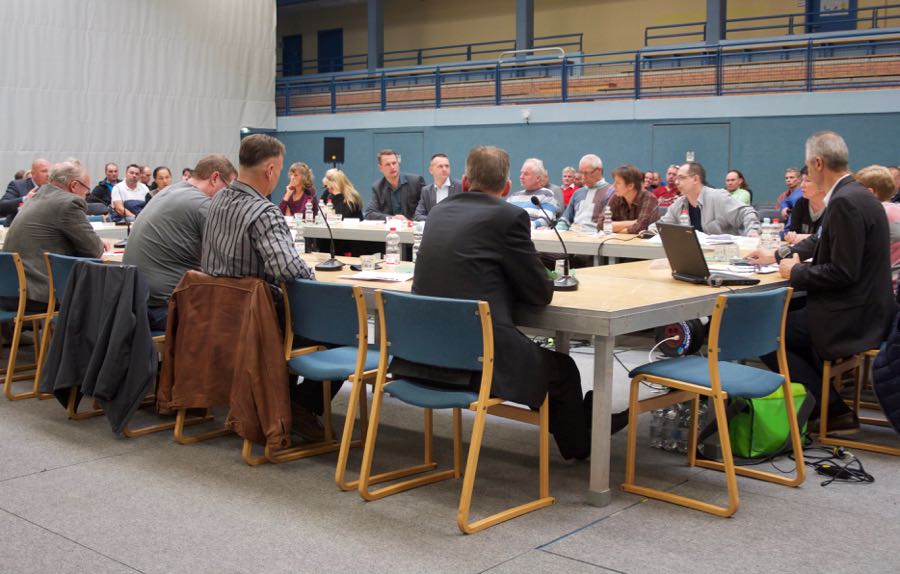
<point x="784" y="268"/>
<point x="761" y="257"/>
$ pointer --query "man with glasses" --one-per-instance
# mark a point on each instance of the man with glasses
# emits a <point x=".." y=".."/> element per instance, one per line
<point x="588" y="202"/>
<point x="712" y="211"/>
<point x="167" y="239"/>
<point x="54" y="220"/>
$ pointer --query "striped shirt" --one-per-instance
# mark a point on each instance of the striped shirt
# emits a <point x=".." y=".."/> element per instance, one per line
<point x="522" y="198"/>
<point x="246" y="236"/>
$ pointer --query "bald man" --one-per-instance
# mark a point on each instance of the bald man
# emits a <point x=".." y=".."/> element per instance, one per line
<point x="20" y="190"/>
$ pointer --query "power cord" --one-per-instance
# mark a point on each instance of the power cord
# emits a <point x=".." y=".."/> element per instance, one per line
<point x="838" y="464"/>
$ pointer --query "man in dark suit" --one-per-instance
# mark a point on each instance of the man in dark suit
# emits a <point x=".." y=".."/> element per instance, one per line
<point x="478" y="246"/>
<point x="849" y="303"/>
<point x="443" y="187"/>
<point x="19" y="190"/>
<point x="396" y="195"/>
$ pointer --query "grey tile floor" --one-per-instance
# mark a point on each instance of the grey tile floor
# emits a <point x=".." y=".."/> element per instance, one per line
<point x="75" y="498"/>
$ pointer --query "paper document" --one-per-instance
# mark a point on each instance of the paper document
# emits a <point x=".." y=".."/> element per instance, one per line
<point x="393" y="277"/>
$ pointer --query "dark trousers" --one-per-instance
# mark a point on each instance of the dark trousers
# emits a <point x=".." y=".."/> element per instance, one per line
<point x="804" y="363"/>
<point x="568" y="420"/>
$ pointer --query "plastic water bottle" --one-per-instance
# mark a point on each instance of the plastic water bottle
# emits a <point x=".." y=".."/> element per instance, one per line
<point x="607" y="220"/>
<point x="684" y="425"/>
<point x="299" y="238"/>
<point x="329" y="208"/>
<point x="308" y="215"/>
<point x="767" y="239"/>
<point x="392" y="248"/>
<point x="656" y="424"/>
<point x="417" y="240"/>
<point x="777" y="232"/>
<point x="684" y="218"/>
<point x="670" y="429"/>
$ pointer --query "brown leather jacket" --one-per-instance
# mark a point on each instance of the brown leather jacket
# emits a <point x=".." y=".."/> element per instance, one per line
<point x="224" y="346"/>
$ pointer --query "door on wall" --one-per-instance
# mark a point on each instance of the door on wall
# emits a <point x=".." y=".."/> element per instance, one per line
<point x="292" y="55"/>
<point x="409" y="147"/>
<point x="709" y="142"/>
<point x="331" y="50"/>
<point x="830" y="15"/>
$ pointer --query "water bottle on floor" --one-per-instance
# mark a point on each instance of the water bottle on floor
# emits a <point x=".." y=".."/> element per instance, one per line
<point x="656" y="424"/>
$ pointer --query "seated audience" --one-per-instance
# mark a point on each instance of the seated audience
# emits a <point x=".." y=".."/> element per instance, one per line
<point x="895" y="171"/>
<point x="668" y="193"/>
<point x="146" y="175"/>
<point x="849" y="304"/>
<point x="633" y="208"/>
<point x="128" y="195"/>
<point x="55" y="221"/>
<point x="587" y="203"/>
<point x="557" y="192"/>
<point x="299" y="191"/>
<point x="185" y="174"/>
<point x="166" y="240"/>
<point x="162" y="177"/>
<point x="568" y="184"/>
<point x="647" y="183"/>
<point x="246" y="236"/>
<point x="578" y="180"/>
<point x="736" y="184"/>
<point x="657" y="181"/>
<point x="101" y="195"/>
<point x="396" y="195"/>
<point x="792" y="194"/>
<point x="443" y="187"/>
<point x="532" y="177"/>
<point x="806" y="216"/>
<point x="712" y="211"/>
<point x="880" y="181"/>
<point x="20" y="190"/>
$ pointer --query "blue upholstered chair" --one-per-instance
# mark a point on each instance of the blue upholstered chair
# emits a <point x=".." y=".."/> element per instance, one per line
<point x="59" y="267"/>
<point x="743" y="326"/>
<point x="334" y="316"/>
<point x="454" y="334"/>
<point x="12" y="285"/>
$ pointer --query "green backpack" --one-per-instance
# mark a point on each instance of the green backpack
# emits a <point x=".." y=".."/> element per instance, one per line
<point x="758" y="428"/>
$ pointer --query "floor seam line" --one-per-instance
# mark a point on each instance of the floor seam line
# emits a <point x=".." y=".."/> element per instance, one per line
<point x="63" y="466"/>
<point x="557" y="554"/>
<point x="64" y="537"/>
<point x="504" y="562"/>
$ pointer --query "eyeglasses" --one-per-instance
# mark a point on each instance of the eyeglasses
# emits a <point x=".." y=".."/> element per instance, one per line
<point x="82" y="184"/>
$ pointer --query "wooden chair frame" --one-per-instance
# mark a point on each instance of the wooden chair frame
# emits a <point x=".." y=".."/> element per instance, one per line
<point x="24" y="371"/>
<point x="862" y="362"/>
<point x="483" y="406"/>
<point x="687" y="391"/>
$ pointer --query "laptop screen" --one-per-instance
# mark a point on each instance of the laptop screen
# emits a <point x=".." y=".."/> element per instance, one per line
<point x="683" y="250"/>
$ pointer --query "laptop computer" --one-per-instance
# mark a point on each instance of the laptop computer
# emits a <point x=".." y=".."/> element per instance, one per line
<point x="687" y="262"/>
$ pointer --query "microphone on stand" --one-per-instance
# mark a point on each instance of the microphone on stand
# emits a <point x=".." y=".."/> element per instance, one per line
<point x="565" y="282"/>
<point x="330" y="264"/>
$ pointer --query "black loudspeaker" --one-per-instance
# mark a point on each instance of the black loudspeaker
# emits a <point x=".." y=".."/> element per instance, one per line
<point x="334" y="150"/>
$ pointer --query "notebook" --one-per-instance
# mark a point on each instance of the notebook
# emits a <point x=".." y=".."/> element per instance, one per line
<point x="686" y="258"/>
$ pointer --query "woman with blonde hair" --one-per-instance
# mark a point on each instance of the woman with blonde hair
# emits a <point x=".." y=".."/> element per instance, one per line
<point x="341" y="194"/>
<point x="299" y="191"/>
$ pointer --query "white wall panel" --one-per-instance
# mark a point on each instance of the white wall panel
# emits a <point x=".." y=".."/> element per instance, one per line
<point x="158" y="82"/>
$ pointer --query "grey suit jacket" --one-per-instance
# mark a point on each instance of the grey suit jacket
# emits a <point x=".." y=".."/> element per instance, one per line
<point x="429" y="198"/>
<point x="52" y="220"/>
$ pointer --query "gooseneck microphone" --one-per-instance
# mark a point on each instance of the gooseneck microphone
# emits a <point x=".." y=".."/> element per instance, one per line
<point x="565" y="282"/>
<point x="330" y="264"/>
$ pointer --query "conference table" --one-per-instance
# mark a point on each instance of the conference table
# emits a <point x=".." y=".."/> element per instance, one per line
<point x="578" y="243"/>
<point x="611" y="300"/>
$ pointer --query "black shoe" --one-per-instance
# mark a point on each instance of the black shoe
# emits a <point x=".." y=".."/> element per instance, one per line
<point x="617" y="422"/>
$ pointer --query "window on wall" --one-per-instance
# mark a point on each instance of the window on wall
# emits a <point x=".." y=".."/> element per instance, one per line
<point x="292" y="55"/>
<point x="331" y="50"/>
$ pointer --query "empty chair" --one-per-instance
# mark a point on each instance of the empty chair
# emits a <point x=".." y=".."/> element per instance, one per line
<point x="743" y="326"/>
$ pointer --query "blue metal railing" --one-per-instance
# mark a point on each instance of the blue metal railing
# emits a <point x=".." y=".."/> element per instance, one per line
<point x="787" y="24"/>
<point x="733" y="68"/>
<point x="472" y="51"/>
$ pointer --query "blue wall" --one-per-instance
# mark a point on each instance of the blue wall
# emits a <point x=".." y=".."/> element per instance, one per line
<point x="761" y="139"/>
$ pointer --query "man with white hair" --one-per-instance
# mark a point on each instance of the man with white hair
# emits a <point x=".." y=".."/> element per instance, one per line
<point x="54" y="220"/>
<point x="845" y="270"/>
<point x="588" y="202"/>
<point x="532" y="177"/>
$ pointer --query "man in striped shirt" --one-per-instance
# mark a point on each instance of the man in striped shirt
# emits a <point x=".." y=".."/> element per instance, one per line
<point x="246" y="236"/>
